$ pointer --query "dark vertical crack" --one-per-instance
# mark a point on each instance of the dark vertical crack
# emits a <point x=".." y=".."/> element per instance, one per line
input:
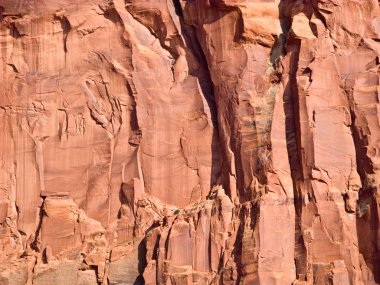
<point x="293" y="135"/>
<point x="223" y="116"/>
<point x="178" y="8"/>
<point x="66" y="27"/>
<point x="367" y="210"/>
<point x="35" y="245"/>
<point x="238" y="246"/>
<point x="142" y="262"/>
<point x="291" y="47"/>
<point x="204" y="76"/>
<point x="1" y="13"/>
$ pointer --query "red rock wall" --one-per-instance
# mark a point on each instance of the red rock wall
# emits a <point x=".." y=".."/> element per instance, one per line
<point x="190" y="142"/>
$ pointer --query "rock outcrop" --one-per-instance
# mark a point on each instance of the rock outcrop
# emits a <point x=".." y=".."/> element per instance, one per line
<point x="190" y="142"/>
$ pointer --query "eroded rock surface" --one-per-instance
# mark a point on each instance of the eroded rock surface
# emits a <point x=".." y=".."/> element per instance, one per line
<point x="190" y="142"/>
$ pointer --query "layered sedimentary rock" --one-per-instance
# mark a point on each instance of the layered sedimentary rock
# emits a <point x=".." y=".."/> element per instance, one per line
<point x="190" y="142"/>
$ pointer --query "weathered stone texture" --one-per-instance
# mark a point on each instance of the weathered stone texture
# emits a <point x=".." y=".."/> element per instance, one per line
<point x="190" y="142"/>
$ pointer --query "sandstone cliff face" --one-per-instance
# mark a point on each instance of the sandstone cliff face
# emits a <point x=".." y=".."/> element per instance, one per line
<point x="190" y="142"/>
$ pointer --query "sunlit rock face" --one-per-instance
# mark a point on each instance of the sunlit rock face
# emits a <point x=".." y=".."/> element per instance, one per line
<point x="189" y="142"/>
